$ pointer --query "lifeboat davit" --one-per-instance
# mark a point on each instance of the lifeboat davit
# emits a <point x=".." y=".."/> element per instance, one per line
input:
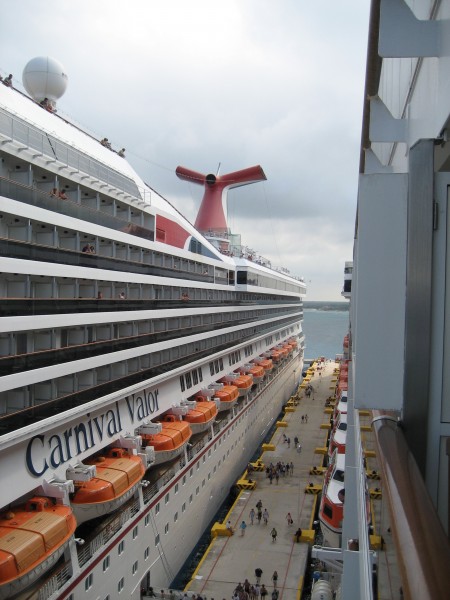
<point x="169" y="440"/>
<point x="227" y="395"/>
<point x="200" y="414"/>
<point x="256" y="371"/>
<point x="331" y="510"/>
<point x="243" y="382"/>
<point x="32" y="538"/>
<point x="117" y="477"/>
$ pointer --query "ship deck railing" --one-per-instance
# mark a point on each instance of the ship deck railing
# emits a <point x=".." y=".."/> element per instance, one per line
<point x="12" y="128"/>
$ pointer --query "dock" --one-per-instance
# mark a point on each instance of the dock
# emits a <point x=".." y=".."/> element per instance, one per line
<point x="231" y="559"/>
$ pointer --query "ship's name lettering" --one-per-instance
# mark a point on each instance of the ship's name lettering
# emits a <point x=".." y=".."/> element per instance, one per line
<point x="142" y="405"/>
<point x="49" y="452"/>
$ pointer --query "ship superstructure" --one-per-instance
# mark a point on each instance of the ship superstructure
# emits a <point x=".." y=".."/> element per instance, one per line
<point x="118" y="320"/>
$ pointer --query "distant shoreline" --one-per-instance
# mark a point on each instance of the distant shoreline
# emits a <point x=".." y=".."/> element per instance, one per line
<point x="324" y="305"/>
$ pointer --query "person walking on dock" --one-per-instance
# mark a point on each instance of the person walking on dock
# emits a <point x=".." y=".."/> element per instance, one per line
<point x="292" y="468"/>
<point x="263" y="592"/>
<point x="252" y="515"/>
<point x="243" y="527"/>
<point x="289" y="519"/>
<point x="274" y="534"/>
<point x="266" y="516"/>
<point x="259" y="515"/>
<point x="275" y="579"/>
<point x="258" y="574"/>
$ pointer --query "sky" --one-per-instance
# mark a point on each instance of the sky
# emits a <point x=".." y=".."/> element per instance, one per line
<point x="203" y="83"/>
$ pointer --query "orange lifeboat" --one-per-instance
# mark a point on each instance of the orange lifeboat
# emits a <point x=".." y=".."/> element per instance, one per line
<point x="256" y="371"/>
<point x="200" y="414"/>
<point x="32" y="538"/>
<point x="276" y="355"/>
<point x="226" y="394"/>
<point x="265" y="363"/>
<point x="169" y="440"/>
<point x="117" y="476"/>
<point x="243" y="382"/>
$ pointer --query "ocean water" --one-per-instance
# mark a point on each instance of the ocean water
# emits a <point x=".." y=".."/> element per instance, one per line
<point x="324" y="332"/>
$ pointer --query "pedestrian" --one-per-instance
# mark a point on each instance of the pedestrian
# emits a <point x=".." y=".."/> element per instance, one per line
<point x="274" y="534"/>
<point x="247" y="586"/>
<point x="289" y="442"/>
<point x="257" y="590"/>
<point x="258" y="574"/>
<point x="275" y="579"/>
<point x="296" y="438"/>
<point x="259" y="515"/>
<point x="277" y="476"/>
<point x="289" y="519"/>
<point x="298" y="535"/>
<point x="266" y="516"/>
<point x="243" y="527"/>
<point x="292" y="468"/>
<point x="252" y="592"/>
<point x="306" y="418"/>
<point x="275" y="595"/>
<point x="259" y="504"/>
<point x="263" y="592"/>
<point x="230" y="527"/>
<point x="252" y="515"/>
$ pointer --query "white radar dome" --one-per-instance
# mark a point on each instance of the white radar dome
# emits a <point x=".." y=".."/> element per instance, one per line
<point x="44" y="77"/>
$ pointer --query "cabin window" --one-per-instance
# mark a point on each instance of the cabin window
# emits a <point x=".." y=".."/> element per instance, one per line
<point x="190" y="499"/>
<point x="166" y="528"/>
<point x="166" y="499"/>
<point x="328" y="511"/>
<point x="175" y="517"/>
<point x="121" y="585"/>
<point x="147" y="553"/>
<point x="184" y="479"/>
<point x="88" y="582"/>
<point x="176" y="488"/>
<point x="182" y="383"/>
<point x="183" y="507"/>
<point x="157" y="507"/>
<point x="147" y="520"/>
<point x="106" y="563"/>
<point x="121" y="547"/>
<point x="157" y="540"/>
<point x="135" y="567"/>
<point x="135" y="532"/>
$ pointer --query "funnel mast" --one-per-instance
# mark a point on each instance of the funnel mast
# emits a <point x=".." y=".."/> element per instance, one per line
<point x="212" y="215"/>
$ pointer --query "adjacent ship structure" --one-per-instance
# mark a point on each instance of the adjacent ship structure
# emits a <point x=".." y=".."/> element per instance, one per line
<point x="399" y="290"/>
<point x="143" y="359"/>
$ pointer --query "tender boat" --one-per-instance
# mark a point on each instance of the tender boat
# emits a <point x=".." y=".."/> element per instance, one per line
<point x="338" y="437"/>
<point x="117" y="476"/>
<point x="32" y="538"/>
<point x="331" y="510"/>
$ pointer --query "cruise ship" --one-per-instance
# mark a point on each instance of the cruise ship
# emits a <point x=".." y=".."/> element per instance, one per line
<point x="399" y="287"/>
<point x="143" y="358"/>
